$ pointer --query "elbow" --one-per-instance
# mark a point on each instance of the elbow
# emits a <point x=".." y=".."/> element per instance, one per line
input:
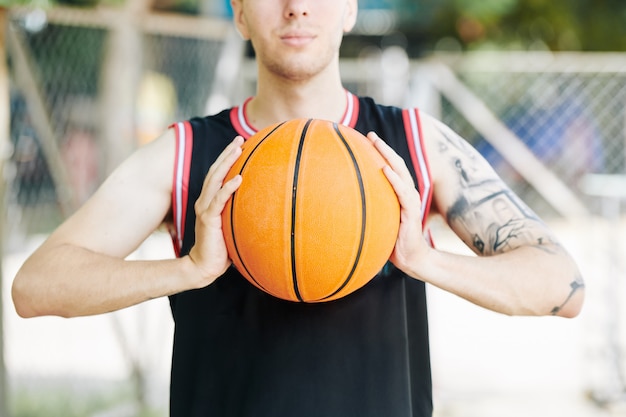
<point x="21" y="300"/>
<point x="569" y="300"/>
<point x="25" y="312"/>
<point x="34" y="298"/>
<point x="572" y="307"/>
<point x="35" y="292"/>
<point x="26" y="296"/>
<point x="558" y="304"/>
<point x="568" y="292"/>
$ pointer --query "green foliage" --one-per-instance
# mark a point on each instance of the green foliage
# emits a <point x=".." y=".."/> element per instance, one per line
<point x="78" y="3"/>
<point x="34" y="3"/>
<point x="44" y="4"/>
<point x="588" y="25"/>
<point x="485" y="9"/>
<point x="577" y="24"/>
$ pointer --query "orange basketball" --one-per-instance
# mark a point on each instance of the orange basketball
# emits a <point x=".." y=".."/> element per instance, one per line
<point x="315" y="218"/>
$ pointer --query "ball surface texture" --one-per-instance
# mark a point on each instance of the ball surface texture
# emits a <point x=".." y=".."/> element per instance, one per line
<point x="315" y="218"/>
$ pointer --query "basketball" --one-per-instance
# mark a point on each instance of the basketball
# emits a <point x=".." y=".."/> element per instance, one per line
<point x="314" y="218"/>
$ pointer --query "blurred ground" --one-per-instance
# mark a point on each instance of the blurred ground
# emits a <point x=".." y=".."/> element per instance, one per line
<point x="484" y="364"/>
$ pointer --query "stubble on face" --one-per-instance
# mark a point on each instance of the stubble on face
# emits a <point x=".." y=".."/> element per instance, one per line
<point x="297" y="63"/>
<point x="297" y="66"/>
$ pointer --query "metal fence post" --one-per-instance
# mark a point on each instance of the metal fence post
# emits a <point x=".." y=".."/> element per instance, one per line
<point x="611" y="190"/>
<point x="4" y="133"/>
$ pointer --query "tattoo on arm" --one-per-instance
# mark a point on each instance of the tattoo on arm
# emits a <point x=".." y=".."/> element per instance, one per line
<point x="495" y="218"/>
<point x="576" y="285"/>
<point x="486" y="212"/>
<point x="453" y="139"/>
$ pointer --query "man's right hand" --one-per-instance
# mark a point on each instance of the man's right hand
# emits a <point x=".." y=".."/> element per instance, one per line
<point x="209" y="253"/>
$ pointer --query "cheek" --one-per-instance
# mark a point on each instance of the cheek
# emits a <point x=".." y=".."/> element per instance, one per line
<point x="349" y="20"/>
<point x="255" y="20"/>
<point x="337" y="33"/>
<point x="255" y="30"/>
<point x="344" y="18"/>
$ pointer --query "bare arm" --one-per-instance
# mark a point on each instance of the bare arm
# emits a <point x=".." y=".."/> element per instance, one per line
<point x="521" y="268"/>
<point x="80" y="269"/>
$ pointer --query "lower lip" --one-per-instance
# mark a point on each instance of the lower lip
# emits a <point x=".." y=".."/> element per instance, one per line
<point x="297" y="40"/>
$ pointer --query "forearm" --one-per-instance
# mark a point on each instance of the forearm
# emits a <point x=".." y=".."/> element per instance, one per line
<point x="524" y="281"/>
<point x="95" y="283"/>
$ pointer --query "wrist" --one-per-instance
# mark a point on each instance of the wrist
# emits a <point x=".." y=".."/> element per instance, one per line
<point x="194" y="276"/>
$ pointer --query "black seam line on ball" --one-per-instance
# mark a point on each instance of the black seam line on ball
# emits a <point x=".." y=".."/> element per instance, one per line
<point x="232" y="207"/>
<point x="293" y="209"/>
<point x="363" y="210"/>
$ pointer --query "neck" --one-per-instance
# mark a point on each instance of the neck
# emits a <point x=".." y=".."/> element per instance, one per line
<point x="278" y="99"/>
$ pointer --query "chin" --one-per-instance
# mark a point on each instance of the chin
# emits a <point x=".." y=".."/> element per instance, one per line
<point x="298" y="67"/>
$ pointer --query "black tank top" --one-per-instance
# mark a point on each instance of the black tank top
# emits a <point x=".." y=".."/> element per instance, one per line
<point x="240" y="352"/>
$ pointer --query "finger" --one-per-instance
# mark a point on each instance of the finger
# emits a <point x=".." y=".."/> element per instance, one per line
<point x="210" y="215"/>
<point x="218" y="171"/>
<point x="226" y="157"/>
<point x="396" y="162"/>
<point x="222" y="196"/>
<point x="408" y="196"/>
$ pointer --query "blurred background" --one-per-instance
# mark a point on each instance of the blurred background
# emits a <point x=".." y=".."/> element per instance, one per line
<point x="537" y="86"/>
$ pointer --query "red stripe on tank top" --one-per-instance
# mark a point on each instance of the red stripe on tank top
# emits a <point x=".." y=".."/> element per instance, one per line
<point x="243" y="127"/>
<point x="417" y="150"/>
<point x="180" y="186"/>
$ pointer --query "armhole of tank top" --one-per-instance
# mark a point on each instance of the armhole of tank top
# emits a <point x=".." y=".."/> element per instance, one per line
<point x="351" y="114"/>
<point x="180" y="184"/>
<point x="419" y="159"/>
<point x="239" y="120"/>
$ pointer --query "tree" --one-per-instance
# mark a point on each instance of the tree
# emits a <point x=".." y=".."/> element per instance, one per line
<point x="586" y="25"/>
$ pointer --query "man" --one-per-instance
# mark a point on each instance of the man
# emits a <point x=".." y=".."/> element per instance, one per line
<point x="238" y="351"/>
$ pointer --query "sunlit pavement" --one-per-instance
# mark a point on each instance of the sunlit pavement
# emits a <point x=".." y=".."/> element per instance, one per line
<point x="484" y="364"/>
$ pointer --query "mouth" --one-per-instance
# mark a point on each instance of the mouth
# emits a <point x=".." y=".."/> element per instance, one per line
<point x="297" y="39"/>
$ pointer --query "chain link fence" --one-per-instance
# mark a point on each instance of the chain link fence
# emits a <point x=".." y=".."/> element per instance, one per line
<point x="568" y="110"/>
<point x="58" y="132"/>
<point x="85" y="92"/>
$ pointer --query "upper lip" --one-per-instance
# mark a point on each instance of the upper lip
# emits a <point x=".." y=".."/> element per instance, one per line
<point x="296" y="34"/>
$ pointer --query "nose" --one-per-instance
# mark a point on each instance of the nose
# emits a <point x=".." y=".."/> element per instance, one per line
<point x="296" y="8"/>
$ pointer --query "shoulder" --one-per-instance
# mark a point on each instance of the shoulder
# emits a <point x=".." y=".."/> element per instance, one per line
<point x="369" y="108"/>
<point x="205" y="134"/>
<point x="216" y="124"/>
<point x="446" y="148"/>
<point x="395" y="121"/>
<point x="145" y="165"/>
